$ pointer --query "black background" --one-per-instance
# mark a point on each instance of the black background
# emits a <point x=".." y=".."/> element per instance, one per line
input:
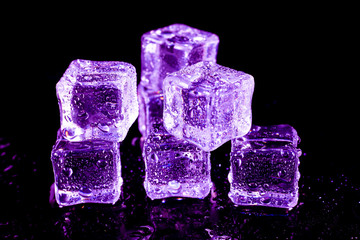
<point x="296" y="54"/>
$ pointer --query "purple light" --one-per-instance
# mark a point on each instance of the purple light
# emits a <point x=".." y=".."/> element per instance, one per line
<point x="98" y="104"/>
<point x="171" y="48"/>
<point x="86" y="172"/>
<point x="264" y="167"/>
<point x="174" y="167"/>
<point x="208" y="104"/>
<point x="189" y="106"/>
<point x="97" y="100"/>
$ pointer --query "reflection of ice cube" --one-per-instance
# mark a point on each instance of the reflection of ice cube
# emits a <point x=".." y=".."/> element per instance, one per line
<point x="97" y="100"/>
<point x="264" y="167"/>
<point x="207" y="104"/>
<point x="87" y="171"/>
<point x="184" y="218"/>
<point x="171" y="48"/>
<point x="174" y="167"/>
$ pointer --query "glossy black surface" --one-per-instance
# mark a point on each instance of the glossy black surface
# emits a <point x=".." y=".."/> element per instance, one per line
<point x="329" y="207"/>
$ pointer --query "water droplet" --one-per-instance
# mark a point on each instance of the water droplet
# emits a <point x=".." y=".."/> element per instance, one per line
<point x="174" y="186"/>
<point x="103" y="128"/>
<point x="154" y="157"/>
<point x="8" y="168"/>
<point x="67" y="172"/>
<point x="4" y="145"/>
<point x="111" y="105"/>
<point x="148" y="149"/>
<point x="133" y="141"/>
<point x="85" y="192"/>
<point x="83" y="114"/>
<point x="101" y="163"/>
<point x="69" y="133"/>
<point x="253" y="185"/>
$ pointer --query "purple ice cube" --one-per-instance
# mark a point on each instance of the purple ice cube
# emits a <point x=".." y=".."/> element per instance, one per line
<point x="97" y="100"/>
<point x="208" y="104"/>
<point x="264" y="167"/>
<point x="174" y="167"/>
<point x="86" y="172"/>
<point x="171" y="48"/>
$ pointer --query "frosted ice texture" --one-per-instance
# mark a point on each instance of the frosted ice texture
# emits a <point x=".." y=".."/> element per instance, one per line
<point x="264" y="167"/>
<point x="171" y="48"/>
<point x="174" y="167"/>
<point x="208" y="104"/>
<point x="97" y="100"/>
<point x="86" y="172"/>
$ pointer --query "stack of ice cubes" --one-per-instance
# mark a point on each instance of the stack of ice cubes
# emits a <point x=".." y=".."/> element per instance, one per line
<point x="175" y="167"/>
<point x="98" y="104"/>
<point x="190" y="106"/>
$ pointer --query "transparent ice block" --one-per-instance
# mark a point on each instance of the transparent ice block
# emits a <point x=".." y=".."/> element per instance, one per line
<point x="175" y="168"/>
<point x="208" y="104"/>
<point x="97" y="100"/>
<point x="264" y="167"/>
<point x="86" y="172"/>
<point x="168" y="49"/>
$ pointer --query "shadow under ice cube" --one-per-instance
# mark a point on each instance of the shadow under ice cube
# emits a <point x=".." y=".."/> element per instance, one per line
<point x="264" y="167"/>
<point x="86" y="172"/>
<point x="208" y="104"/>
<point x="97" y="100"/>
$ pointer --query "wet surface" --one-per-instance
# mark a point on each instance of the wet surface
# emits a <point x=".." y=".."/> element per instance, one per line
<point x="328" y="208"/>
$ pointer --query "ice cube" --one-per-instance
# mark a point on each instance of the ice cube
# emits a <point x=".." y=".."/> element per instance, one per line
<point x="86" y="172"/>
<point x="208" y="104"/>
<point x="171" y="48"/>
<point x="150" y="109"/>
<point x="174" y="167"/>
<point x="97" y="100"/>
<point x="264" y="167"/>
